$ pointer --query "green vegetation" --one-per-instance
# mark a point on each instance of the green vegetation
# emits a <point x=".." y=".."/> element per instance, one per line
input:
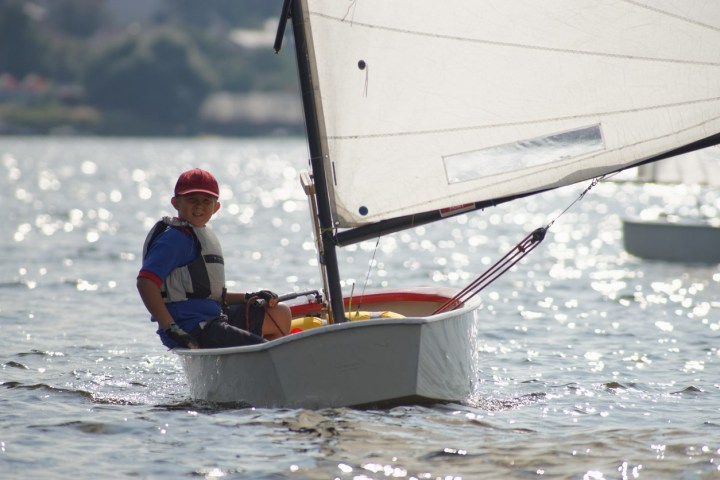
<point x="51" y="118"/>
<point x="140" y="67"/>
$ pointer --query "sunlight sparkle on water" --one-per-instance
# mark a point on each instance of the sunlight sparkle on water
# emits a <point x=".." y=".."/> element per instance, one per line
<point x="602" y="338"/>
<point x="23" y="195"/>
<point x="144" y="192"/>
<point x="664" y="326"/>
<point x="386" y="470"/>
<point x="115" y="196"/>
<point x="694" y="365"/>
<point x="85" y="286"/>
<point x="88" y="168"/>
<point x="22" y="230"/>
<point x="48" y="181"/>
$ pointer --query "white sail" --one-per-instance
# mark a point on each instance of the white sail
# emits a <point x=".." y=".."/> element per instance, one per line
<point x="426" y="104"/>
<point x="696" y="168"/>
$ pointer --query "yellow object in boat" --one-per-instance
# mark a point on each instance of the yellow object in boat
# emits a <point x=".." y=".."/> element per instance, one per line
<point x="307" y="323"/>
<point x="361" y="315"/>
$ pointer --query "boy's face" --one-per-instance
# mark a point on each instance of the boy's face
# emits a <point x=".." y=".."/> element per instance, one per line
<point x="196" y="208"/>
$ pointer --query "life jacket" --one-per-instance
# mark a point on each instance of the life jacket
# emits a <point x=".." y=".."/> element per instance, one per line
<point x="204" y="277"/>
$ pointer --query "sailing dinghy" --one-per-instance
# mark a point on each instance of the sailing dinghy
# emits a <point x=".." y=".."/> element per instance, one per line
<point x="417" y="110"/>
<point x="678" y="236"/>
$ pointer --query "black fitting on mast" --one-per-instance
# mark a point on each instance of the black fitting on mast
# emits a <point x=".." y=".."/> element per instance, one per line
<point x="284" y="15"/>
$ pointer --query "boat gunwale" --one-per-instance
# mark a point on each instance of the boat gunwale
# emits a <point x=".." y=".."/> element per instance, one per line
<point x="428" y="295"/>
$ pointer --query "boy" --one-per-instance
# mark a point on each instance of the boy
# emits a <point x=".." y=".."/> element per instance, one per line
<point x="182" y="280"/>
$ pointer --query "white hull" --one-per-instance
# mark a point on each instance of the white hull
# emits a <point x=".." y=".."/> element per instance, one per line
<point x="682" y="241"/>
<point x="360" y="363"/>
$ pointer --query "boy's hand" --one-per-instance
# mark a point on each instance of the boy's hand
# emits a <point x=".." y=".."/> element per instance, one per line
<point x="269" y="297"/>
<point x="181" y="337"/>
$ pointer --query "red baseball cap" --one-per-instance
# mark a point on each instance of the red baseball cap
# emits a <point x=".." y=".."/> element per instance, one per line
<point x="197" y="181"/>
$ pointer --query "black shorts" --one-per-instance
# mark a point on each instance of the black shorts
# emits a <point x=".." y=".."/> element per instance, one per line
<point x="237" y="317"/>
<point x="233" y="330"/>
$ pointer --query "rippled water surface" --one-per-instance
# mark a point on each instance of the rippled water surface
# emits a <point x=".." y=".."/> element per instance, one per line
<point x="595" y="364"/>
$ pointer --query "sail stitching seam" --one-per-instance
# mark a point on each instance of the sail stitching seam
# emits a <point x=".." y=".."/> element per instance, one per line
<point x="517" y="45"/>
<point x="526" y="122"/>
<point x="672" y="15"/>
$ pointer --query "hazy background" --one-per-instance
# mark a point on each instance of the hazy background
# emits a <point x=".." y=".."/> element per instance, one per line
<point x="145" y="67"/>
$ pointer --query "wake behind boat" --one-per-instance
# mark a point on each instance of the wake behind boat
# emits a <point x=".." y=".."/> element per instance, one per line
<point x="418" y="110"/>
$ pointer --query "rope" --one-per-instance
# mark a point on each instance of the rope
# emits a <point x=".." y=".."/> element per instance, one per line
<point x="248" y="304"/>
<point x="367" y="277"/>
<point x="526" y="246"/>
<point x="511" y="258"/>
<point x="594" y="182"/>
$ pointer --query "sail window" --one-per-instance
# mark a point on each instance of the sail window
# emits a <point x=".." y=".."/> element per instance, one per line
<point x="523" y="154"/>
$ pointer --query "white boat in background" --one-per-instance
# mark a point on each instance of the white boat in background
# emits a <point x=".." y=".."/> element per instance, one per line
<point x="417" y="110"/>
<point x="673" y="239"/>
<point x="657" y="234"/>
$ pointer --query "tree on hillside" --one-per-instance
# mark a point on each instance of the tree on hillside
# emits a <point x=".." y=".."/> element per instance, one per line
<point x="78" y="18"/>
<point x="160" y="78"/>
<point x="22" y="50"/>
<point x="227" y="13"/>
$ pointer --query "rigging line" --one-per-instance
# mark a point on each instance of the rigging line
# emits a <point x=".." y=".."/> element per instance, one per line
<point x="520" y="251"/>
<point x="347" y="12"/>
<point x="366" y="67"/>
<point x="350" y="300"/>
<point x="367" y="277"/>
<point x="672" y="15"/>
<point x="511" y="258"/>
<point x="525" y="122"/>
<point x="594" y="182"/>
<point x="517" y="45"/>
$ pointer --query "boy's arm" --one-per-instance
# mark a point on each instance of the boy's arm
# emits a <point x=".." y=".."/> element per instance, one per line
<point x="235" y="298"/>
<point x="151" y="297"/>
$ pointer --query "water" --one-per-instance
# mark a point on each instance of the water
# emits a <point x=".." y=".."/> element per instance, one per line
<point x="595" y="365"/>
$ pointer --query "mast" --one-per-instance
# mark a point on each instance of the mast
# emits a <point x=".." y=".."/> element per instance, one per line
<point x="328" y="256"/>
